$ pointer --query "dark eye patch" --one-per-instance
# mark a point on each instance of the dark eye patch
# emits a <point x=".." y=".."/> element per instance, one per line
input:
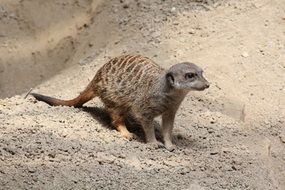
<point x="190" y="75"/>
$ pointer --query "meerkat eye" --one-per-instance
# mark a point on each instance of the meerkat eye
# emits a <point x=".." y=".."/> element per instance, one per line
<point x="189" y="75"/>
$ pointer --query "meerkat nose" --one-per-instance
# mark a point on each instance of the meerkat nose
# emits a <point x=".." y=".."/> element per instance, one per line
<point x="207" y="85"/>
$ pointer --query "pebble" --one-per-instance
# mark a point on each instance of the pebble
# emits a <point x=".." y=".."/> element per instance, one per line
<point x="245" y="54"/>
<point x="191" y="31"/>
<point x="282" y="138"/>
<point x="31" y="170"/>
<point x="51" y="155"/>
<point x="214" y="153"/>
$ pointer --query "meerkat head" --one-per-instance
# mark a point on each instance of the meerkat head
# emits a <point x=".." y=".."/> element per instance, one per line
<point x="186" y="76"/>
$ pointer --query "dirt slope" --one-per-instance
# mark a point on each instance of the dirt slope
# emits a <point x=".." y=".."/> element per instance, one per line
<point x="231" y="136"/>
<point x="38" y="39"/>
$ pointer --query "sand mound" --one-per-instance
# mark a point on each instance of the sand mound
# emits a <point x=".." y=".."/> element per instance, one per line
<point x="229" y="137"/>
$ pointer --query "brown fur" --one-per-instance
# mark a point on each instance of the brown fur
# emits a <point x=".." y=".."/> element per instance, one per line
<point x="135" y="85"/>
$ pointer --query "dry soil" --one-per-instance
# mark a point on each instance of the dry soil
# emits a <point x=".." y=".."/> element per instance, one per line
<point x="231" y="136"/>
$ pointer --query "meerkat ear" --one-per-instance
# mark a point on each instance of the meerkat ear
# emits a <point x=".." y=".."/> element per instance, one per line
<point x="170" y="78"/>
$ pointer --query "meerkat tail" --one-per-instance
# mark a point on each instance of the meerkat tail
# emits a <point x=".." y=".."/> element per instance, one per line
<point x="84" y="97"/>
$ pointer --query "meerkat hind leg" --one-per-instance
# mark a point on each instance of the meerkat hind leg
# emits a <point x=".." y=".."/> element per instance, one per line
<point x="118" y="122"/>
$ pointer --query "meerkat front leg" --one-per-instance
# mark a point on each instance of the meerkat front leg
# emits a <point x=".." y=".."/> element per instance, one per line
<point x="167" y="127"/>
<point x="150" y="133"/>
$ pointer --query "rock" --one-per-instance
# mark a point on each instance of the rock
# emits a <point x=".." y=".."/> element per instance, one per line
<point x="282" y="138"/>
<point x="51" y="155"/>
<point x="31" y="170"/>
<point x="126" y="3"/>
<point x="125" y="6"/>
<point x="245" y="54"/>
<point x="191" y="31"/>
<point x="214" y="153"/>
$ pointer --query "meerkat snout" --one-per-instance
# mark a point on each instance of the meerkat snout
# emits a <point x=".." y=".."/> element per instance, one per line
<point x="200" y="83"/>
<point x="207" y="85"/>
<point x="187" y="76"/>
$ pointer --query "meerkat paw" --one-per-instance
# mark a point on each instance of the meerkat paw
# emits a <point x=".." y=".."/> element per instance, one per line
<point x="128" y="135"/>
<point x="170" y="147"/>
<point x="156" y="144"/>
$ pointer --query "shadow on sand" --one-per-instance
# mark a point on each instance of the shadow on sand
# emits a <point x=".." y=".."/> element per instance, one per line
<point x="103" y="117"/>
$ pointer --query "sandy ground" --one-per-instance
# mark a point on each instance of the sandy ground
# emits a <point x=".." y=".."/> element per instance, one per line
<point x="231" y="136"/>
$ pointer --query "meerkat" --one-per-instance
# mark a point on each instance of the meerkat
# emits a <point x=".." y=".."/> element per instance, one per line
<point x="137" y="86"/>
